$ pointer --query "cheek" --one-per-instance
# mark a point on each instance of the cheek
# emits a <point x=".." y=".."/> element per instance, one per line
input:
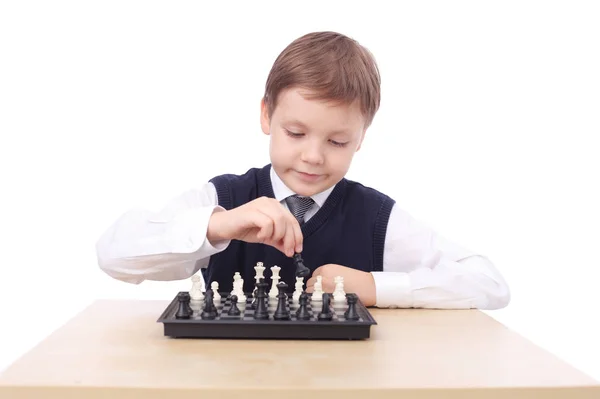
<point x="340" y="161"/>
<point x="279" y="148"/>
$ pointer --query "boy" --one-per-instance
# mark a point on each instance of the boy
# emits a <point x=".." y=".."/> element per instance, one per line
<point x="321" y="96"/>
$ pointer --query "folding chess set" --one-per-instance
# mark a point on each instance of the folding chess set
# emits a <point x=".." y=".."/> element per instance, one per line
<point x="266" y="314"/>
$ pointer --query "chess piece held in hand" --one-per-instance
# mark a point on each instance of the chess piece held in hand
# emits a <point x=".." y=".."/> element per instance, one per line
<point x="301" y="269"/>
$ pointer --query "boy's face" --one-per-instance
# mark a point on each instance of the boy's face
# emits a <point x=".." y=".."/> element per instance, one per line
<point x="312" y="142"/>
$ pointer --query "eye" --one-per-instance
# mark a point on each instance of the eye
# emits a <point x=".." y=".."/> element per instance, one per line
<point x="292" y="134"/>
<point x="338" y="144"/>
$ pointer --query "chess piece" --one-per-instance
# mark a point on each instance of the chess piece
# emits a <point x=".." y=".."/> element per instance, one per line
<point x="238" y="289"/>
<point x="338" y="294"/>
<point x="196" y="292"/>
<point x="350" y="313"/>
<point x="236" y="277"/>
<point x="210" y="310"/>
<point x="299" y="288"/>
<point x="274" y="281"/>
<point x="302" y="312"/>
<point x="317" y="294"/>
<point x="184" y="311"/>
<point x="326" y="314"/>
<point x="234" y="310"/>
<point x="214" y="286"/>
<point x="260" y="310"/>
<point x="282" y="312"/>
<point x="259" y="270"/>
<point x="255" y="293"/>
<point x="301" y="269"/>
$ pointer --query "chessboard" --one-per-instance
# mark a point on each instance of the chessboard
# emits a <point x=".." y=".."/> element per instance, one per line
<point x="283" y="317"/>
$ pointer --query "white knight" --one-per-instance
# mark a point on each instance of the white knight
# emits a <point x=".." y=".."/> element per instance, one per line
<point x="196" y="292"/>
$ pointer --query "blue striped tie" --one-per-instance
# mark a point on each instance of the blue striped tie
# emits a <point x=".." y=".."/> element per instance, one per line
<point x="299" y="205"/>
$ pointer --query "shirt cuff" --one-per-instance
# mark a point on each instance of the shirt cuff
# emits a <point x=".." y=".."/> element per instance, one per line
<point x="187" y="233"/>
<point x="392" y="290"/>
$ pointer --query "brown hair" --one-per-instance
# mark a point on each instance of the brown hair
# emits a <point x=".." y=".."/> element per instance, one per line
<point x="332" y="67"/>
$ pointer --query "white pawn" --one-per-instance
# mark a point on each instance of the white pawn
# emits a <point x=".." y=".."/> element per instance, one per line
<point x="299" y="288"/>
<point x="274" y="281"/>
<point x="338" y="293"/>
<point x="214" y="286"/>
<point x="317" y="294"/>
<point x="197" y="288"/>
<point x="236" y="277"/>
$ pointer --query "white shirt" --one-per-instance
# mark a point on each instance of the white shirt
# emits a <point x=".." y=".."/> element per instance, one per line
<point x="420" y="268"/>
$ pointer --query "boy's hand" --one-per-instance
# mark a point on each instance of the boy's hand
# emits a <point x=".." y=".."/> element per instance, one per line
<point x="263" y="220"/>
<point x="355" y="281"/>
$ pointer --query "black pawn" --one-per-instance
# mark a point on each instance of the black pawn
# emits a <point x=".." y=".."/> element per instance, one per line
<point x="302" y="312"/>
<point x="210" y="310"/>
<point x="184" y="311"/>
<point x="234" y="310"/>
<point x="350" y="313"/>
<point x="261" y="312"/>
<point x="326" y="314"/>
<point x="301" y="269"/>
<point x="282" y="312"/>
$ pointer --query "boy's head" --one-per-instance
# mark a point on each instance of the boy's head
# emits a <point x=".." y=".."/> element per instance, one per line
<point x="321" y="95"/>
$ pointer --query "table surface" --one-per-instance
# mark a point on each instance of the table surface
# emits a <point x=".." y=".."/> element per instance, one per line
<point x="116" y="349"/>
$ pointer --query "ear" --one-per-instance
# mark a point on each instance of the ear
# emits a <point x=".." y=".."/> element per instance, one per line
<point x="265" y="123"/>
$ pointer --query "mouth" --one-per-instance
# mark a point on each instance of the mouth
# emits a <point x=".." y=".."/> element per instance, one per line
<point x="308" y="176"/>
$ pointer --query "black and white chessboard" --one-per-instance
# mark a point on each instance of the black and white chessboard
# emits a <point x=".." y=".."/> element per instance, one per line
<point x="245" y="325"/>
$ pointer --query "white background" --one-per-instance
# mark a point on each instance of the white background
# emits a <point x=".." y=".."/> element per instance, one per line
<point x="488" y="131"/>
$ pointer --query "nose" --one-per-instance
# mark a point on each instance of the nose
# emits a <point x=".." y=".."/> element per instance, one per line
<point x="312" y="153"/>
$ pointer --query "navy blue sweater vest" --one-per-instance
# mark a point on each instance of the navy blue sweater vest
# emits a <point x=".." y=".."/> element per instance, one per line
<point x="348" y="230"/>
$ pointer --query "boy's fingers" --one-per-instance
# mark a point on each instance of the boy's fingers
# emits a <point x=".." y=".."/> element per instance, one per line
<point x="264" y="223"/>
<point x="278" y="231"/>
<point x="298" y="236"/>
<point x="289" y="239"/>
<point x="292" y="229"/>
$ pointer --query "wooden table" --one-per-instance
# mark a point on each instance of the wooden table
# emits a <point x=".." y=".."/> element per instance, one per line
<point x="116" y="349"/>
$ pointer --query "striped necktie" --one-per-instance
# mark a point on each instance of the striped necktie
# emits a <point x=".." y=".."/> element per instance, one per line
<point x="299" y="205"/>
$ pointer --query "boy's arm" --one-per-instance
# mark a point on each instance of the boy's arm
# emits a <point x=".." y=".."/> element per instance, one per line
<point x="423" y="270"/>
<point x="168" y="245"/>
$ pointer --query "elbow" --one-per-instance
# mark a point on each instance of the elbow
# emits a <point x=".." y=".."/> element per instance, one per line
<point x="494" y="292"/>
<point x="497" y="302"/>
<point x="496" y="299"/>
<point x="112" y="270"/>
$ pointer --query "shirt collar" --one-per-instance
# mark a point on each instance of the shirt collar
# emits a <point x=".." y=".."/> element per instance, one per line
<point x="282" y="191"/>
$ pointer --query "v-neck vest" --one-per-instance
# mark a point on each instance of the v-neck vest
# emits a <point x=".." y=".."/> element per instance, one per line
<point x="349" y="230"/>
